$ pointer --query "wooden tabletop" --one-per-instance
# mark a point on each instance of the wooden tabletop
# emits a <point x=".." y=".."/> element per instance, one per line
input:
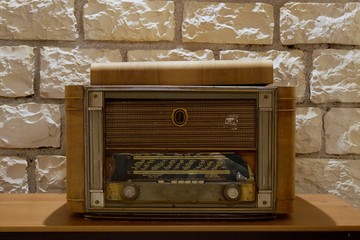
<point x="47" y="213"/>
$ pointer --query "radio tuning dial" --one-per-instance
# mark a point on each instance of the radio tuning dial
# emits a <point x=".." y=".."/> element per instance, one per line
<point x="130" y="192"/>
<point x="232" y="192"/>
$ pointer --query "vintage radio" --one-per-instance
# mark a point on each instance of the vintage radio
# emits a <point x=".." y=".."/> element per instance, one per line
<point x="186" y="149"/>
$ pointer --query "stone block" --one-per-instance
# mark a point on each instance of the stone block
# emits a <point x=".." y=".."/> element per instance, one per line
<point x="50" y="174"/>
<point x="289" y="66"/>
<point x="308" y="130"/>
<point x="66" y="66"/>
<point x="16" y="71"/>
<point x="309" y="23"/>
<point x="178" y="54"/>
<point x="29" y="125"/>
<point x="335" y="176"/>
<point x="335" y="76"/>
<point x="13" y="175"/>
<point x="342" y="131"/>
<point x="238" y="23"/>
<point x="38" y="20"/>
<point x="129" y="20"/>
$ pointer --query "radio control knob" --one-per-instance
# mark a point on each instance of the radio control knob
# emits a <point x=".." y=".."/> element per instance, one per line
<point x="232" y="192"/>
<point x="130" y="192"/>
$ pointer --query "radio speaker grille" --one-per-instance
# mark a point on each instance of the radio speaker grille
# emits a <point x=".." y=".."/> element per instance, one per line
<point x="210" y="124"/>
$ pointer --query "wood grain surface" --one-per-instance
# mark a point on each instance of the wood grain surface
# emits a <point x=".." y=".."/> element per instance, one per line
<point x="221" y="72"/>
<point x="47" y="213"/>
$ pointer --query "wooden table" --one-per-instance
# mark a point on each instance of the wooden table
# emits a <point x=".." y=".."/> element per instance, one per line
<point x="44" y="216"/>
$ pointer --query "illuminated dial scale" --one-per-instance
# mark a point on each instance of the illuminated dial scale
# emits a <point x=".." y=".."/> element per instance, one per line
<point x="181" y="169"/>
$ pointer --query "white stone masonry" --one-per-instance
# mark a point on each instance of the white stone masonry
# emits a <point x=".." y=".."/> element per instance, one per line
<point x="50" y="174"/>
<point x="309" y="23"/>
<point x="129" y="20"/>
<point x="16" y="71"/>
<point x="335" y="76"/>
<point x="13" y="175"/>
<point x="308" y="130"/>
<point x="342" y="131"/>
<point x="178" y="54"/>
<point x="239" y="23"/>
<point x="29" y="125"/>
<point x="38" y="20"/>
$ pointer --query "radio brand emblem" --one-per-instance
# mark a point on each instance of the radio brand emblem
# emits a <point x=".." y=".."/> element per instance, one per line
<point x="179" y="117"/>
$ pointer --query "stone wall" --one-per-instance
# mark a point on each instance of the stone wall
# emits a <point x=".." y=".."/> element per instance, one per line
<point x="314" y="46"/>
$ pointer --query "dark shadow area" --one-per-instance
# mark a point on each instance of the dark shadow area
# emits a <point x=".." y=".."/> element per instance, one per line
<point x="182" y="235"/>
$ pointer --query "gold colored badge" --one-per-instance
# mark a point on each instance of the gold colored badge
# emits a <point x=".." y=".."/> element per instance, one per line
<point x="180" y="117"/>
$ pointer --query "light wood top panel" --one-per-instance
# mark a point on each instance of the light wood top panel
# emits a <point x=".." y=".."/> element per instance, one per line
<point x="221" y="72"/>
<point x="47" y="213"/>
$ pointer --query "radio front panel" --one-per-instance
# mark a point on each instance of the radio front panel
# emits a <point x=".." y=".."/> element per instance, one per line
<point x="180" y="150"/>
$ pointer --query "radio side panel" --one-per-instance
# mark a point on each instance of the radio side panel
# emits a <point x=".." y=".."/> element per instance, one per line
<point x="285" y="171"/>
<point x="74" y="107"/>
